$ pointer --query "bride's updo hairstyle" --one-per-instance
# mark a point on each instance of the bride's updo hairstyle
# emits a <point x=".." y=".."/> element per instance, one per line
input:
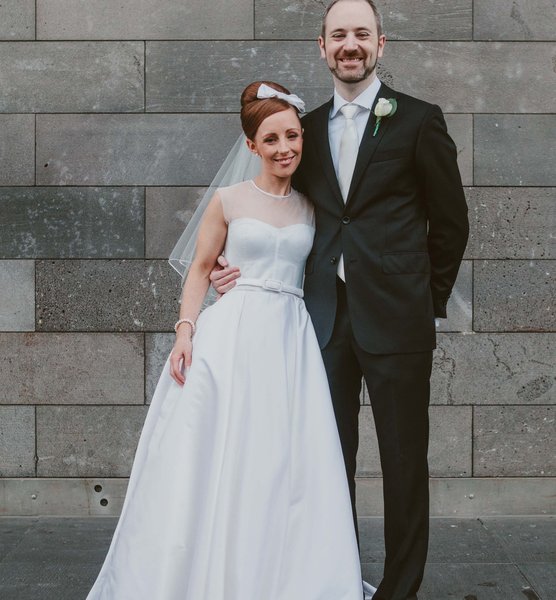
<point x="255" y="110"/>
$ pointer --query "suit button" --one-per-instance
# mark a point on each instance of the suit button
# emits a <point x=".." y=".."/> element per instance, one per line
<point x="346" y="220"/>
<point x="333" y="260"/>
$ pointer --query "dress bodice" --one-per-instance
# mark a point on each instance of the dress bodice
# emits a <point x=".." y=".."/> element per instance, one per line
<point x="269" y="237"/>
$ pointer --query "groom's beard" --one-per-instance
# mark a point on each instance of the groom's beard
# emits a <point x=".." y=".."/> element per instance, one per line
<point x="354" y="77"/>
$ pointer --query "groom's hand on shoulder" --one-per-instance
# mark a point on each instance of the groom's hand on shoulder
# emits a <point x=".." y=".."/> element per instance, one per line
<point x="223" y="277"/>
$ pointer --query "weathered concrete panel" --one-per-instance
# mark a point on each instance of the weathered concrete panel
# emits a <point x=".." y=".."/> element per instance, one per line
<point x="450" y="442"/>
<point x="460" y="304"/>
<point x="511" y="222"/>
<point x="83" y="441"/>
<point x="71" y="368"/>
<point x="460" y="127"/>
<point x="144" y="19"/>
<point x="402" y="19"/>
<point x="516" y="20"/>
<point x="50" y="222"/>
<point x="514" y="441"/>
<point x="515" y="149"/>
<point x="106" y="295"/>
<point x="132" y="149"/>
<point x="514" y="295"/>
<point x="494" y="368"/>
<point x="72" y="77"/>
<point x="474" y="76"/>
<point x="459" y="496"/>
<point x="17" y="149"/>
<point x="17" y="20"/>
<point x="17" y="441"/>
<point x="168" y="211"/>
<point x="17" y="295"/>
<point x="175" y="82"/>
<point x="157" y="349"/>
<point x="471" y="497"/>
<point x="462" y="77"/>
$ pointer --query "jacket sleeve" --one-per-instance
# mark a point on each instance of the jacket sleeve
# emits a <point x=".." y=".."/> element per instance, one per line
<point x="448" y="226"/>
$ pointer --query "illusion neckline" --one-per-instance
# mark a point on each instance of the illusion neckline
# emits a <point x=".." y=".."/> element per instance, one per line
<point x="268" y="193"/>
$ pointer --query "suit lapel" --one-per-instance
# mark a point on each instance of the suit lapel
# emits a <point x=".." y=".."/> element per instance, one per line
<point x="370" y="143"/>
<point x="322" y="144"/>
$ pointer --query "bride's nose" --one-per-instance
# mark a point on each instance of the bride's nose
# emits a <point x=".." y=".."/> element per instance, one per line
<point x="283" y="146"/>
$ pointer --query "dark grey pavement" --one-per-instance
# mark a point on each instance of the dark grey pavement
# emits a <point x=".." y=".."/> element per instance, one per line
<point x="510" y="558"/>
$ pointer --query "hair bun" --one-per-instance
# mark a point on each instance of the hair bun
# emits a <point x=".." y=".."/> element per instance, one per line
<point x="254" y="110"/>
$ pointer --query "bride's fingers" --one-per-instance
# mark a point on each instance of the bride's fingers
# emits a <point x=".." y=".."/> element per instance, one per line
<point x="175" y="370"/>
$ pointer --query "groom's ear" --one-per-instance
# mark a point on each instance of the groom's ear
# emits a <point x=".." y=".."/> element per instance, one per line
<point x="320" y="41"/>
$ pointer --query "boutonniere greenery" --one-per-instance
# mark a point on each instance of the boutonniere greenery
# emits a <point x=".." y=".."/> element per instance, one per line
<point x="384" y="108"/>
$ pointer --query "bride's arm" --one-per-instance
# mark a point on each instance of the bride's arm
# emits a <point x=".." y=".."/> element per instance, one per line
<point x="210" y="243"/>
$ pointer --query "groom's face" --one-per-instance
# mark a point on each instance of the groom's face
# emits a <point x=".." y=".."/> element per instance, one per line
<point x="351" y="45"/>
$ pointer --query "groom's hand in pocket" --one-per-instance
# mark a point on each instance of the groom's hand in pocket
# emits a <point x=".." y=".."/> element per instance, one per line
<point x="223" y="277"/>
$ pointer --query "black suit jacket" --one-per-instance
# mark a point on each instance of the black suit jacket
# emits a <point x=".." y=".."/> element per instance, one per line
<point x="402" y="230"/>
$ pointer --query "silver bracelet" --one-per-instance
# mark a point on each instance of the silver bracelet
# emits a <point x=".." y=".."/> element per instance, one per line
<point x="180" y="321"/>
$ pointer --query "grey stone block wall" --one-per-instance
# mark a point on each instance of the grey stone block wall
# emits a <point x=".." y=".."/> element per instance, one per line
<point x="113" y="118"/>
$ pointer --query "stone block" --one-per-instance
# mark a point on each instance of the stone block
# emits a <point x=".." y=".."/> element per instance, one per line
<point x="17" y="149"/>
<point x="507" y="223"/>
<point x="84" y="441"/>
<point x="168" y="211"/>
<point x="157" y="349"/>
<point x="175" y="83"/>
<point x="71" y="368"/>
<point x="450" y="450"/>
<point x="450" y="442"/>
<point x="460" y="127"/>
<point x="65" y="497"/>
<point x="17" y="295"/>
<point x="106" y="295"/>
<point x="460" y="304"/>
<point x="467" y="77"/>
<point x="461" y="77"/>
<point x="144" y="19"/>
<point x="494" y="368"/>
<point x="542" y="576"/>
<point x="17" y="441"/>
<point x="402" y="19"/>
<point x="516" y="20"/>
<point x="525" y="540"/>
<point x="515" y="149"/>
<point x="72" y="77"/>
<point x="17" y="20"/>
<point x="132" y="149"/>
<point x="514" y="295"/>
<point x="86" y="222"/>
<point x="515" y="441"/>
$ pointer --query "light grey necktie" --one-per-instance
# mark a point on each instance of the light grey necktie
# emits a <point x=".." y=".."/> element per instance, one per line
<point x="349" y="147"/>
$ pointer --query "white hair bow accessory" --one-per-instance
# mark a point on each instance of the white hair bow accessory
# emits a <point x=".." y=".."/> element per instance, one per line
<point x="266" y="91"/>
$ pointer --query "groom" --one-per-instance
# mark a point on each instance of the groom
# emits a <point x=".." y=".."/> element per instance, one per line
<point x="391" y="229"/>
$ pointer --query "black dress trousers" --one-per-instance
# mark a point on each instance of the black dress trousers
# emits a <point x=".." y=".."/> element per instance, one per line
<point x="399" y="389"/>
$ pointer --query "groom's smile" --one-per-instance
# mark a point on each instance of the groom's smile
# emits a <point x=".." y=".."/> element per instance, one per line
<point x="351" y="44"/>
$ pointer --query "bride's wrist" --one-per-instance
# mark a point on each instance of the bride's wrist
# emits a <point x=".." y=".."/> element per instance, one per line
<point x="185" y="326"/>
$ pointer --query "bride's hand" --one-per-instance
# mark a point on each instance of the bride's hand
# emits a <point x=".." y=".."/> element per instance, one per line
<point x="180" y="358"/>
<point x="223" y="277"/>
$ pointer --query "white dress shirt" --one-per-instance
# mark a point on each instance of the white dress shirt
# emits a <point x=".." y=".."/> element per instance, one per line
<point x="336" y="121"/>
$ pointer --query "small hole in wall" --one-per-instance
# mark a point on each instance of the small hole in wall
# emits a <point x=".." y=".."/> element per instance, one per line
<point x="104" y="502"/>
<point x="98" y="488"/>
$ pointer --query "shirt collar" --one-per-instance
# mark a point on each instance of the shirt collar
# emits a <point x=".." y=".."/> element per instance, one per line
<point x="365" y="99"/>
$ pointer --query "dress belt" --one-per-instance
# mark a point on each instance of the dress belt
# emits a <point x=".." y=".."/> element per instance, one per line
<point x="272" y="285"/>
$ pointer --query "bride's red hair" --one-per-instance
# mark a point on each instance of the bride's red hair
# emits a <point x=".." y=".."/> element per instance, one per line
<point x="255" y="110"/>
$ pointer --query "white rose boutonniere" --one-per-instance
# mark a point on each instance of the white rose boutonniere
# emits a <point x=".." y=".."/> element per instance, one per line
<point x="384" y="108"/>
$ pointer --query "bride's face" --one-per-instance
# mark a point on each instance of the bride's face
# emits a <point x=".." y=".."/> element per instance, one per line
<point x="279" y="143"/>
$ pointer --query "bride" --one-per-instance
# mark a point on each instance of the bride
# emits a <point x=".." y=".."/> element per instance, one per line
<point x="238" y="489"/>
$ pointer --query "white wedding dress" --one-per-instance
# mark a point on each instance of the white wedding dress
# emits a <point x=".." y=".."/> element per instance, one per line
<point x="238" y="489"/>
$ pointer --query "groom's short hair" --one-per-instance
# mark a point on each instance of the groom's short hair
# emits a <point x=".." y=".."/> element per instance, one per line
<point x="371" y="3"/>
